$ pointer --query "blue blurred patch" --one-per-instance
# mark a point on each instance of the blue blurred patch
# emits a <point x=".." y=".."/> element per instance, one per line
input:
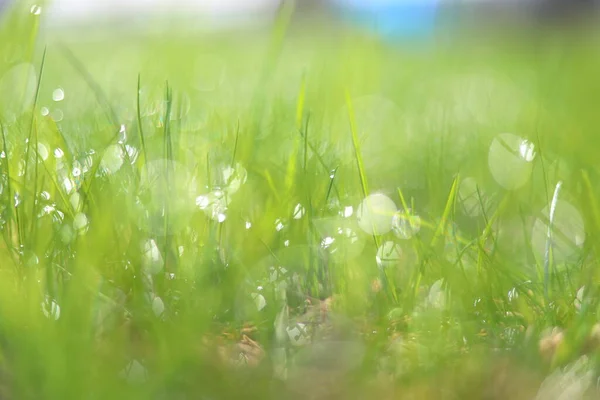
<point x="401" y="19"/>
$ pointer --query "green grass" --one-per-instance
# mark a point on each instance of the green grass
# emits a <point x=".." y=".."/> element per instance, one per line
<point x="194" y="198"/>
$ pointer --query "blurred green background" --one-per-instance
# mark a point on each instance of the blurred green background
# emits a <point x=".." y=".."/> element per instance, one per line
<point x="297" y="209"/>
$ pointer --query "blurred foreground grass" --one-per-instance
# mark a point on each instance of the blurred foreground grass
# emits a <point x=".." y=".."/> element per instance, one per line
<point x="299" y="213"/>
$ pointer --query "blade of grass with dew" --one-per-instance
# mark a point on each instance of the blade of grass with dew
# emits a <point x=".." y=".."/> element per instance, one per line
<point x="32" y="128"/>
<point x="144" y="161"/>
<point x="389" y="284"/>
<point x="450" y="202"/>
<point x="548" y="250"/>
<point x="16" y="234"/>
<point x="235" y="145"/>
<point x="168" y="157"/>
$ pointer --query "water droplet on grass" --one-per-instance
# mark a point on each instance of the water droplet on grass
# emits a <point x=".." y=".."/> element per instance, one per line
<point x="279" y="225"/>
<point x="80" y="223"/>
<point x="568" y="233"/>
<point x="68" y="184"/>
<point x="579" y="298"/>
<point x="122" y="134"/>
<point x="327" y="241"/>
<point x="58" y="153"/>
<point x="234" y="178"/>
<point x="248" y="224"/>
<point x="152" y="260"/>
<point x="57" y="115"/>
<point x="203" y="202"/>
<point x="51" y="309"/>
<point x="75" y="201"/>
<point x="388" y="255"/>
<point x="436" y="297"/>
<point x="58" y="94"/>
<point x="43" y="152"/>
<point x="513" y="294"/>
<point x="510" y="160"/>
<point x="406" y="224"/>
<point x="112" y="160"/>
<point x="345" y="239"/>
<point x="35" y="9"/>
<point x="347" y="212"/>
<point x="375" y="214"/>
<point x="158" y="306"/>
<point x="132" y="153"/>
<point x="259" y="301"/>
<point x="527" y="150"/>
<point x="44" y="111"/>
<point x="299" y="211"/>
<point x="220" y="217"/>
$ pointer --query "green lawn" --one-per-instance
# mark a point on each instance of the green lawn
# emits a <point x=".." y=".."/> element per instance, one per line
<point x="298" y="212"/>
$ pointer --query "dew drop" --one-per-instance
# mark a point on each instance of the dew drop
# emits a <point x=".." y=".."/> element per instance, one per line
<point x="158" y="306"/>
<point x="299" y="211"/>
<point x="75" y="201"/>
<point x="203" y="202"/>
<point x="152" y="260"/>
<point x="234" y="178"/>
<point x="112" y="160"/>
<point x="347" y="212"/>
<point x="567" y="233"/>
<point x="80" y="223"/>
<point x="510" y="160"/>
<point x="436" y="297"/>
<point x="327" y="241"/>
<point x="259" y="301"/>
<point x="579" y="298"/>
<point x="35" y="9"/>
<point x="68" y="184"/>
<point x="51" y="309"/>
<point x="132" y="153"/>
<point x="58" y="94"/>
<point x="388" y="255"/>
<point x="57" y="115"/>
<point x="122" y="134"/>
<point x="42" y="151"/>
<point x="375" y="214"/>
<point x="279" y="225"/>
<point x="406" y="224"/>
